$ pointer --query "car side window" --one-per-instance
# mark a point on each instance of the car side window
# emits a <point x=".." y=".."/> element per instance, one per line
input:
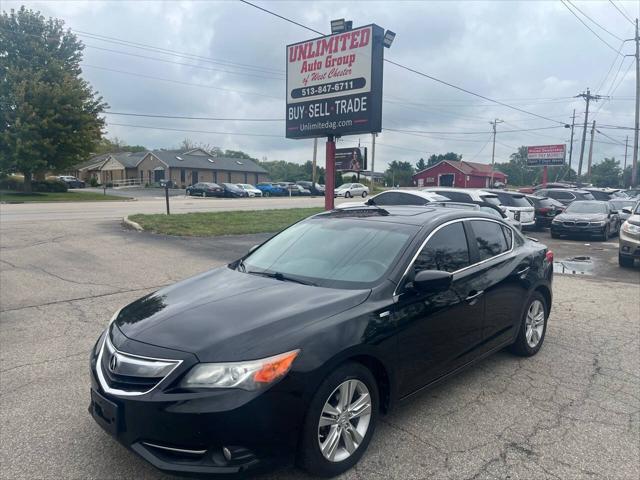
<point x="456" y="196"/>
<point x="408" y="199"/>
<point x="390" y="198"/>
<point x="490" y="238"/>
<point x="447" y="250"/>
<point x="507" y="236"/>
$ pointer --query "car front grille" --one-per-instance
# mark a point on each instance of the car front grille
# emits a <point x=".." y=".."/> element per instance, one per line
<point x="127" y="374"/>
<point x="569" y="224"/>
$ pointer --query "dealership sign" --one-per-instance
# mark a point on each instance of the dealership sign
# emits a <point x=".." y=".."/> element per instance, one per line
<point x="546" y="155"/>
<point x="334" y="84"/>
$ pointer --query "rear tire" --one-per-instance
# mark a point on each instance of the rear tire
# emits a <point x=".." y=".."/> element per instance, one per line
<point x="364" y="194"/>
<point x="624" y="261"/>
<point x="533" y="327"/>
<point x="321" y="410"/>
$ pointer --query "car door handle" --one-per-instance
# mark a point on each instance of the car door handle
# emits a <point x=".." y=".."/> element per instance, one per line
<point x="473" y="295"/>
<point x="523" y="271"/>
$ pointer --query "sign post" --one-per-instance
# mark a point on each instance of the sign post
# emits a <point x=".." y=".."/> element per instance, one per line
<point x="545" y="156"/>
<point x="334" y="88"/>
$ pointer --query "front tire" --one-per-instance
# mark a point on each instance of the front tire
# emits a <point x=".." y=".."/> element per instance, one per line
<point x="533" y="327"/>
<point x="347" y="194"/>
<point x="340" y="421"/>
<point x="605" y="234"/>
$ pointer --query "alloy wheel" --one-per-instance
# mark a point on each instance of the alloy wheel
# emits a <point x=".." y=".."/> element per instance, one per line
<point x="534" y="324"/>
<point x="344" y="420"/>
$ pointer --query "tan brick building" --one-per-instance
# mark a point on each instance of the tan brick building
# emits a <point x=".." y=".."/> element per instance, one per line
<point x="182" y="168"/>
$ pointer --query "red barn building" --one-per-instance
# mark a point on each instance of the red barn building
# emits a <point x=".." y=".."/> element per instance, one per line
<point x="460" y="174"/>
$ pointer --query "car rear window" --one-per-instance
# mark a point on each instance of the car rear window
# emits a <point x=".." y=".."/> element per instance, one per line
<point x="586" y="196"/>
<point x="509" y="200"/>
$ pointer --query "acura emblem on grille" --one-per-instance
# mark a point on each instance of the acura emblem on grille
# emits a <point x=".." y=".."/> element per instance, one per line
<point x="113" y="363"/>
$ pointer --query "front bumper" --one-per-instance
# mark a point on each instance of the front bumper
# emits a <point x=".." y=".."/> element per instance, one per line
<point x="561" y="229"/>
<point x="185" y="432"/>
<point x="629" y="244"/>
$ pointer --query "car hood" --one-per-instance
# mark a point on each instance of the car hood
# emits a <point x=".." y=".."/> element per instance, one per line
<point x="588" y="217"/>
<point x="225" y="315"/>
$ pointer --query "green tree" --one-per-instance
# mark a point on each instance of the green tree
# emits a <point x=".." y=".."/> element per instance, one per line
<point x="238" y="154"/>
<point x="114" y="144"/>
<point x="49" y="116"/>
<point x="434" y="159"/>
<point x="399" y="173"/>
<point x="421" y="165"/>
<point x="607" y="173"/>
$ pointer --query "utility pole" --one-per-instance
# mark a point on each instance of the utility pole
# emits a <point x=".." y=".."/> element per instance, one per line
<point x="573" y="123"/>
<point x="593" y="130"/>
<point x="313" y="166"/>
<point x="626" y="144"/>
<point x="373" y="157"/>
<point x="588" y="97"/>
<point x="493" y="152"/>
<point x="634" y="166"/>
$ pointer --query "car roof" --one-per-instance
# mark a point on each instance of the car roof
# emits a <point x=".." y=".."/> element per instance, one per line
<point x="573" y="190"/>
<point x="476" y="191"/>
<point x="408" y="214"/>
<point x="417" y="193"/>
<point x="508" y="192"/>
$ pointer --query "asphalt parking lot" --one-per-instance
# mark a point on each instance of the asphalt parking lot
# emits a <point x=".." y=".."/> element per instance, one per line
<point x="572" y="411"/>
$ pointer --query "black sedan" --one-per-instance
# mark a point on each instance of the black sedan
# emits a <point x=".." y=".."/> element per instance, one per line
<point x="205" y="189"/>
<point x="231" y="190"/>
<point x="293" y="351"/>
<point x="587" y="218"/>
<point x="546" y="210"/>
<point x="71" y="182"/>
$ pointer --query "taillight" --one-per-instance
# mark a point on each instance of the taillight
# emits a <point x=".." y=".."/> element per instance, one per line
<point x="544" y="210"/>
<point x="549" y="256"/>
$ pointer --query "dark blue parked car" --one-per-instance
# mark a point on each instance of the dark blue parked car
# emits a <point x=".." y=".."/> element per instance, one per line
<point x="233" y="191"/>
<point x="271" y="189"/>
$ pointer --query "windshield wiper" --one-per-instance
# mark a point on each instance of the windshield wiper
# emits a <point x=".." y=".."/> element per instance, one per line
<point x="280" y="276"/>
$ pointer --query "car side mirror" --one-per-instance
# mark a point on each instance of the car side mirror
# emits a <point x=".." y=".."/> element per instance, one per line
<point x="627" y="211"/>
<point x="370" y="202"/>
<point x="432" y="281"/>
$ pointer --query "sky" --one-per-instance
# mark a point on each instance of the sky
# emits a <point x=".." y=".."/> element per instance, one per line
<point x="227" y="59"/>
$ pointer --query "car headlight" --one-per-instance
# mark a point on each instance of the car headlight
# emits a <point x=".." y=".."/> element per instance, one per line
<point x="555" y="220"/>
<point x="630" y="228"/>
<point x="597" y="224"/>
<point x="251" y="375"/>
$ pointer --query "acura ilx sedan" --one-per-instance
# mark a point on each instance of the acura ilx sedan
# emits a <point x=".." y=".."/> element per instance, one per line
<point x="293" y="351"/>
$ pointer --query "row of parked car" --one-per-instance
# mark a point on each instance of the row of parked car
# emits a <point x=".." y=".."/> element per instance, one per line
<point x="582" y="214"/>
<point x="264" y="189"/>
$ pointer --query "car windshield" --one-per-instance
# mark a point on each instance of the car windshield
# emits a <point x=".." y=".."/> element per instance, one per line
<point x="509" y="200"/>
<point x="637" y="210"/>
<point x="620" y="204"/>
<point x="586" y="207"/>
<point x="333" y="252"/>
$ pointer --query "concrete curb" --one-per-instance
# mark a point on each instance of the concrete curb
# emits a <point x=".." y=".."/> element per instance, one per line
<point x="131" y="224"/>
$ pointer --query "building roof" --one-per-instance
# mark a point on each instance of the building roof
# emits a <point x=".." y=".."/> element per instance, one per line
<point x="196" y="158"/>
<point x="468" y="168"/>
<point x="201" y="159"/>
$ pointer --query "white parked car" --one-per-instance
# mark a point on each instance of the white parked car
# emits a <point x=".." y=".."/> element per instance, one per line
<point x="517" y="207"/>
<point x="250" y="189"/>
<point x="398" y="197"/>
<point x="349" y="190"/>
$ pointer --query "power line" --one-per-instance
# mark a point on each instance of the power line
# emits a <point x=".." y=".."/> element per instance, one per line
<point x="412" y="70"/>
<point x="621" y="12"/>
<point x="590" y="29"/>
<point x="179" y="82"/>
<point x="152" y="48"/>
<point x="195" y="131"/>
<point x="183" y="117"/>
<point x="593" y="21"/>
<point x="281" y="17"/>
<point x="615" y="59"/>
<point x="190" y="65"/>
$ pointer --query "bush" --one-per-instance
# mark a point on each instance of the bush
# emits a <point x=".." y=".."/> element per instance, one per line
<point x="49" y="186"/>
<point x="93" y="181"/>
<point x="11" y="183"/>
